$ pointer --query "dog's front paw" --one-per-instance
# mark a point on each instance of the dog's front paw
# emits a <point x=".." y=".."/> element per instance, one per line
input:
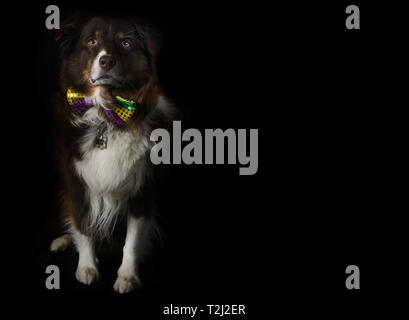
<point x="124" y="284"/>
<point x="86" y="275"/>
<point x="61" y="243"/>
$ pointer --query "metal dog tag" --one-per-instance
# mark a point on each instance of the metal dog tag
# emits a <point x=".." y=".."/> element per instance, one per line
<point x="101" y="140"/>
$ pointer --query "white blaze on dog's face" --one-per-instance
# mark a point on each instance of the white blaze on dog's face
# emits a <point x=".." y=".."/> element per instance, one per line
<point x="105" y="70"/>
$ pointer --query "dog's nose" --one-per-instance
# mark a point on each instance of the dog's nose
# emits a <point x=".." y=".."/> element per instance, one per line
<point x="106" y="62"/>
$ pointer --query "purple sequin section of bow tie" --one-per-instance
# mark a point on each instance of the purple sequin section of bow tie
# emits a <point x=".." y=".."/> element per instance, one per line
<point x="81" y="106"/>
<point x="115" y="119"/>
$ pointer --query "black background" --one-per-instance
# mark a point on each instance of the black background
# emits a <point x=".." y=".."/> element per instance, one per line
<point x="327" y="192"/>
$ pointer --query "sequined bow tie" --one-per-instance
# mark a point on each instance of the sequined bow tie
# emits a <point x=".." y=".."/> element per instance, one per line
<point x="118" y="115"/>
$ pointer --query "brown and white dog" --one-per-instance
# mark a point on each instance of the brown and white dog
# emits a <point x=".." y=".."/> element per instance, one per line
<point x="104" y="57"/>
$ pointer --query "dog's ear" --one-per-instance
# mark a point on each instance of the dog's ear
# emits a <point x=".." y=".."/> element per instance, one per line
<point x="149" y="40"/>
<point x="69" y="33"/>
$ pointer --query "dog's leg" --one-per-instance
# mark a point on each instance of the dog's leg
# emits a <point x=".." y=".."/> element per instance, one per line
<point x="127" y="279"/>
<point x="61" y="243"/>
<point x="87" y="271"/>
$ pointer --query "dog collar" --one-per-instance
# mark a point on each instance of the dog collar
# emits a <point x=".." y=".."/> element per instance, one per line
<point x="121" y="112"/>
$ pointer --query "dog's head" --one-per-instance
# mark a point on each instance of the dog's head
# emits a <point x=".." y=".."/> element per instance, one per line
<point x="117" y="55"/>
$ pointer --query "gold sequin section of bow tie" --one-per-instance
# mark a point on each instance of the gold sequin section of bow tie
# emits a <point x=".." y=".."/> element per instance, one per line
<point x="74" y="96"/>
<point x="126" y="110"/>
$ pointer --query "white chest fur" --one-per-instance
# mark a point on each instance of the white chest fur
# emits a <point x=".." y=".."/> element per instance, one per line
<point x="112" y="169"/>
<point x="112" y="175"/>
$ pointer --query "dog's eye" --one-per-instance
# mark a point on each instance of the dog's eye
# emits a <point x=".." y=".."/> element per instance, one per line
<point x="92" y="42"/>
<point x="126" y="43"/>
